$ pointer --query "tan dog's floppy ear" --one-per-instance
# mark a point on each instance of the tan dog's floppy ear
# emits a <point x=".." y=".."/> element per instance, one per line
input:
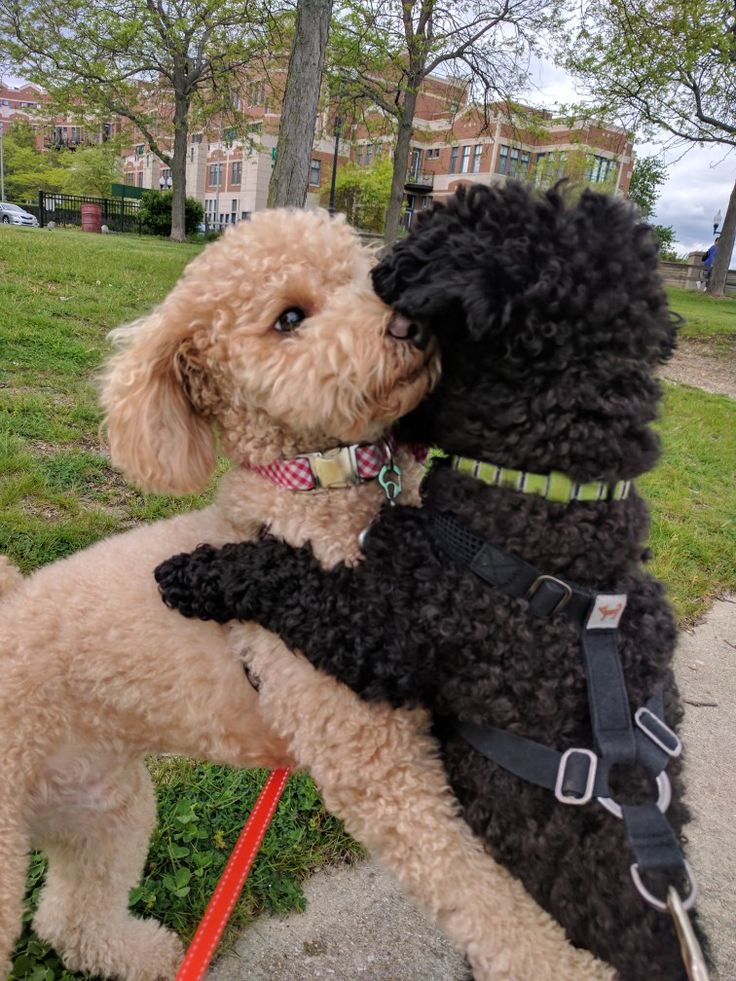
<point x="156" y="437"/>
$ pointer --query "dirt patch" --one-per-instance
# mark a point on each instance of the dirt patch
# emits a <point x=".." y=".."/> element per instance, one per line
<point x="49" y="512"/>
<point x="697" y="364"/>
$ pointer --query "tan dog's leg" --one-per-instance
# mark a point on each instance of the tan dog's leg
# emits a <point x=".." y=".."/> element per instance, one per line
<point x="13" y="868"/>
<point x="93" y="864"/>
<point x="378" y="770"/>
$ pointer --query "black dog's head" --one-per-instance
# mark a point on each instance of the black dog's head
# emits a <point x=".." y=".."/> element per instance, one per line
<point x="551" y="319"/>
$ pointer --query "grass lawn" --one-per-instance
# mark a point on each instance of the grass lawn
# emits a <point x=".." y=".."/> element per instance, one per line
<point x="61" y="292"/>
<point x="708" y="321"/>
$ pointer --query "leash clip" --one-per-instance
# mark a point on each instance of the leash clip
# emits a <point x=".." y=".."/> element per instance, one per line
<point x="389" y="476"/>
<point x="692" y="955"/>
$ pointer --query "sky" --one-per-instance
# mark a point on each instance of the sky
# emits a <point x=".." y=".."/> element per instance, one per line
<point x="698" y="183"/>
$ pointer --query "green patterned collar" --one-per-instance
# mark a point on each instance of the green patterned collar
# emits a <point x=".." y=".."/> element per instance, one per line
<point x="554" y="486"/>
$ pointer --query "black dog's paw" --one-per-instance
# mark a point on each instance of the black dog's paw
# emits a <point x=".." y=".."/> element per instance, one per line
<point x="190" y="583"/>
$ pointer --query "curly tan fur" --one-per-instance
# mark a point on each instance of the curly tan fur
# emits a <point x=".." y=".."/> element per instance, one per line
<point x="96" y="671"/>
<point x="10" y="576"/>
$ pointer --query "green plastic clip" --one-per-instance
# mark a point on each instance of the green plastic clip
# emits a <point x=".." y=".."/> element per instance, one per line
<point x="390" y="480"/>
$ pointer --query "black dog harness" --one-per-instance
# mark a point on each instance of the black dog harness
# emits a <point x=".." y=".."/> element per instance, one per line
<point x="580" y="774"/>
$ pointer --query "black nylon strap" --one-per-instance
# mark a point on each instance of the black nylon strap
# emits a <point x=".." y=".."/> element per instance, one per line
<point x="540" y="764"/>
<point x="532" y="761"/>
<point x="652" y="840"/>
<point x="608" y="699"/>
<point x="513" y="575"/>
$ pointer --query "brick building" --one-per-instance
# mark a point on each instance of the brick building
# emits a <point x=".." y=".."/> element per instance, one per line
<point x="26" y="103"/>
<point x="454" y="141"/>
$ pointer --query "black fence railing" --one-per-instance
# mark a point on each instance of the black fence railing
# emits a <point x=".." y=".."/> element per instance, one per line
<point x="119" y="214"/>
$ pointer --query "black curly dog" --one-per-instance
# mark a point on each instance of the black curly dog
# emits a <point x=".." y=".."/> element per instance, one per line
<point x="552" y="321"/>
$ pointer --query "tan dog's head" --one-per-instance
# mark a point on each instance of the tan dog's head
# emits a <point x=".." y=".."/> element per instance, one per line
<point x="273" y="336"/>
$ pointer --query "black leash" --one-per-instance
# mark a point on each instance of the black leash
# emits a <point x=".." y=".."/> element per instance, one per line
<point x="579" y="774"/>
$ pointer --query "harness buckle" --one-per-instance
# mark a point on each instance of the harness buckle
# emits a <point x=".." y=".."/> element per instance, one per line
<point x="560" y="794"/>
<point x="561" y="603"/>
<point x="664" y="796"/>
<point x="658" y="731"/>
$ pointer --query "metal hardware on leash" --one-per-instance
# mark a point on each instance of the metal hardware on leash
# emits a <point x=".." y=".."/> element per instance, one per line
<point x="389" y="477"/>
<point x="692" y="955"/>
<point x="657" y="904"/>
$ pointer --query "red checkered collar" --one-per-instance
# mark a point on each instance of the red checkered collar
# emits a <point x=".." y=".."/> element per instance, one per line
<point x="342" y="466"/>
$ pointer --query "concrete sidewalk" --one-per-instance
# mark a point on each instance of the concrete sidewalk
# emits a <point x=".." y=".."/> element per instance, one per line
<point x="358" y="925"/>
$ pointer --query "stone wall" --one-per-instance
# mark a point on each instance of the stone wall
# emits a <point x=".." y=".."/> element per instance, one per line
<point x="688" y="275"/>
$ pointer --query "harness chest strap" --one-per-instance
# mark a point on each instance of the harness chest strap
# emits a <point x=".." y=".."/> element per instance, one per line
<point x="578" y="775"/>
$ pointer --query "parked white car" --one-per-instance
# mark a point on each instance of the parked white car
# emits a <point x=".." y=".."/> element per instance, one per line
<point x="11" y="214"/>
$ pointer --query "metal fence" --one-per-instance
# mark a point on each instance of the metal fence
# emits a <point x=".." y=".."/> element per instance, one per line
<point x="119" y="214"/>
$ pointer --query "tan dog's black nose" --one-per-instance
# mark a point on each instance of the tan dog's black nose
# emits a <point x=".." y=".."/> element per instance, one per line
<point x="405" y="329"/>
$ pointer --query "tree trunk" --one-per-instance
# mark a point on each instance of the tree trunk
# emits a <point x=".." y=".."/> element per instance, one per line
<point x="401" y="163"/>
<point x="719" y="272"/>
<point x="290" y="177"/>
<point x="179" y="167"/>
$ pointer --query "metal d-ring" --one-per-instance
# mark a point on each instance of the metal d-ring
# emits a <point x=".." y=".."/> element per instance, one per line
<point x="664" y="789"/>
<point x="687" y="903"/>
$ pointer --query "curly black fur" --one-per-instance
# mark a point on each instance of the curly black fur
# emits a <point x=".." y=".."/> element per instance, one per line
<point x="551" y="321"/>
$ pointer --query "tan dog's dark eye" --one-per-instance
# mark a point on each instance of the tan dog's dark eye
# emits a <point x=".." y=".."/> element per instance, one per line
<point x="289" y="320"/>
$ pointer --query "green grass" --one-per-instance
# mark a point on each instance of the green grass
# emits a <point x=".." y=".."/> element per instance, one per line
<point x="692" y="496"/>
<point x="707" y="320"/>
<point x="60" y="293"/>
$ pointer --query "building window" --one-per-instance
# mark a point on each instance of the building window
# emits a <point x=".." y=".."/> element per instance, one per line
<point x="513" y="161"/>
<point x="600" y="170"/>
<point x="256" y="93"/>
<point x="503" y="159"/>
<point x="230" y="134"/>
<point x="314" y="173"/>
<point x="139" y="150"/>
<point x="245" y="215"/>
<point x="236" y="171"/>
<point x="466" y="160"/>
<point x="196" y="137"/>
<point x="129" y="178"/>
<point x="477" y="153"/>
<point x="453" y="159"/>
<point x="359" y="155"/>
<point x="215" y="174"/>
<point x="140" y="178"/>
<point x="234" y="210"/>
<point x="416" y="161"/>
<point x="368" y="153"/>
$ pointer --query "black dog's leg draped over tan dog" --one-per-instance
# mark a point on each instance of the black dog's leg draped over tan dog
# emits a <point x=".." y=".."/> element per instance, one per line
<point x="552" y="323"/>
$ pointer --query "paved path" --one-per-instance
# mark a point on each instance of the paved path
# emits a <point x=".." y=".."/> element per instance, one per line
<point x="358" y="926"/>
<point x="693" y="364"/>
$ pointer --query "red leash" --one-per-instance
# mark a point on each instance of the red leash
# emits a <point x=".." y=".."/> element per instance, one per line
<point x="232" y="880"/>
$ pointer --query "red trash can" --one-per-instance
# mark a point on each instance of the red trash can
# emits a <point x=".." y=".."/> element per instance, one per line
<point x="91" y="217"/>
